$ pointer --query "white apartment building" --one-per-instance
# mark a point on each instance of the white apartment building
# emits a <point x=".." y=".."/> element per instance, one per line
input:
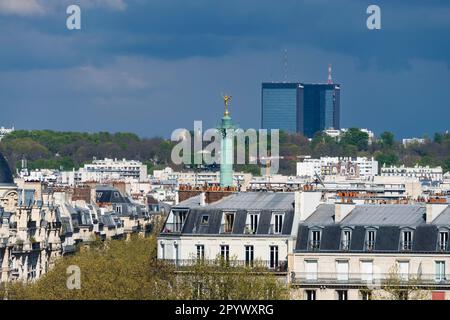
<point x="200" y="178"/>
<point x="409" y="141"/>
<point x="420" y="172"/>
<point x="337" y="133"/>
<point x="357" y="167"/>
<point x="346" y="251"/>
<point x="243" y="227"/>
<point x="5" y="131"/>
<point x="106" y="170"/>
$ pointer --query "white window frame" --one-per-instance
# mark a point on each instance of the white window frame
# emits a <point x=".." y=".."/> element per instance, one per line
<point x="277" y="222"/>
<point x="200" y="252"/>
<point x="440" y="271"/>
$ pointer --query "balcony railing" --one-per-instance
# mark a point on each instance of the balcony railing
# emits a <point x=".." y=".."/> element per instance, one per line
<point x="172" y="228"/>
<point x="345" y="245"/>
<point x="314" y="245"/>
<point x="442" y="245"/>
<point x="249" y="230"/>
<point x="406" y="245"/>
<point x="370" y="245"/>
<point x="334" y="278"/>
<point x="274" y="229"/>
<point x="226" y="228"/>
<point x="266" y="265"/>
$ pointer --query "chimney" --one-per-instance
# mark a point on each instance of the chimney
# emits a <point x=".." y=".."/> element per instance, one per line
<point x="342" y="209"/>
<point x="306" y="202"/>
<point x="202" y="199"/>
<point x="177" y="198"/>
<point x="433" y="210"/>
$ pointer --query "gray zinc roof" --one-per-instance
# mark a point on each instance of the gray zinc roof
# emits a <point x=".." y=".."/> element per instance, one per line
<point x="444" y="218"/>
<point x="256" y="201"/>
<point x="386" y="215"/>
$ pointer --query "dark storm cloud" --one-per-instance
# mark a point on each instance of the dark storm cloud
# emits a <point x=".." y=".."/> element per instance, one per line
<point x="163" y="58"/>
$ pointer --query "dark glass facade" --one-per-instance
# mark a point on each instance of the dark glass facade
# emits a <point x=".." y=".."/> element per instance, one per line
<point x="299" y="107"/>
<point x="279" y="106"/>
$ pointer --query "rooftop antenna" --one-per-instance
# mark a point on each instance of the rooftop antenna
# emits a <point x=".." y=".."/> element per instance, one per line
<point x="285" y="65"/>
<point x="330" y="79"/>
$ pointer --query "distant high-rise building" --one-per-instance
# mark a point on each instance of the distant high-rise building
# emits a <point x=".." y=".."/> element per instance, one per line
<point x="300" y="107"/>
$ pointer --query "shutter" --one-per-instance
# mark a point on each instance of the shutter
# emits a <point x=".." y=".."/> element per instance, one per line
<point x="403" y="268"/>
<point x="311" y="270"/>
<point x="342" y="270"/>
<point x="366" y="270"/>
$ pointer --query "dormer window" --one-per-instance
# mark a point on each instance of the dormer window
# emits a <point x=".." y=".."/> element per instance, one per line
<point x="277" y="223"/>
<point x="251" y="226"/>
<point x="314" y="242"/>
<point x="370" y="240"/>
<point x="346" y="238"/>
<point x="205" y="219"/>
<point x="227" y="222"/>
<point x="443" y="240"/>
<point x="175" y="221"/>
<point x="406" y="240"/>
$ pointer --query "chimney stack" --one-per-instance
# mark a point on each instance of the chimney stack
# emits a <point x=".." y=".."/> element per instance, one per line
<point x="202" y="199"/>
<point x="342" y="209"/>
<point x="433" y="210"/>
<point x="306" y="202"/>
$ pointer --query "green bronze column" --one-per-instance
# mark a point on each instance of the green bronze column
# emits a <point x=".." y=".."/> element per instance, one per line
<point x="226" y="148"/>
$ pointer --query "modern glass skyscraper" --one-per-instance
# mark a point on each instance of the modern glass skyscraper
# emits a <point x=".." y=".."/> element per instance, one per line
<point x="300" y="107"/>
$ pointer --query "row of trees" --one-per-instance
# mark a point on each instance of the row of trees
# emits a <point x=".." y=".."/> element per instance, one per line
<point x="67" y="150"/>
<point x="128" y="269"/>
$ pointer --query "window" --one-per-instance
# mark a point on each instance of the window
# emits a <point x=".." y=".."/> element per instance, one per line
<point x="179" y="219"/>
<point x="443" y="240"/>
<point x="273" y="257"/>
<point x="277" y="223"/>
<point x="440" y="271"/>
<point x="163" y="251"/>
<point x="342" y="270"/>
<point x="118" y="209"/>
<point x="366" y="270"/>
<point x="252" y="223"/>
<point x="227" y="226"/>
<point x="310" y="294"/>
<point x="342" y="294"/>
<point x="346" y="237"/>
<point x="370" y="240"/>
<point x="200" y="252"/>
<point x="406" y="241"/>
<point x="366" y="295"/>
<point x="403" y="295"/>
<point x="315" y="240"/>
<point x="225" y="252"/>
<point x="403" y="270"/>
<point x="205" y="219"/>
<point x="311" y="269"/>
<point x="249" y="255"/>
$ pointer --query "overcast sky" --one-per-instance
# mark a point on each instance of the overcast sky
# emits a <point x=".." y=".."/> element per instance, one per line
<point x="150" y="67"/>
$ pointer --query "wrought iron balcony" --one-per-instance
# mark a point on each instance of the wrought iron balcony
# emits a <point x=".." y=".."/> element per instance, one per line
<point x="335" y="278"/>
<point x="370" y="245"/>
<point x="226" y="228"/>
<point x="345" y="245"/>
<point x="314" y="245"/>
<point x="406" y="245"/>
<point x="258" y="265"/>
<point x="442" y="245"/>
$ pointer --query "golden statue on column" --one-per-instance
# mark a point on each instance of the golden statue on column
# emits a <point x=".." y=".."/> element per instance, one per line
<point x="226" y="100"/>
